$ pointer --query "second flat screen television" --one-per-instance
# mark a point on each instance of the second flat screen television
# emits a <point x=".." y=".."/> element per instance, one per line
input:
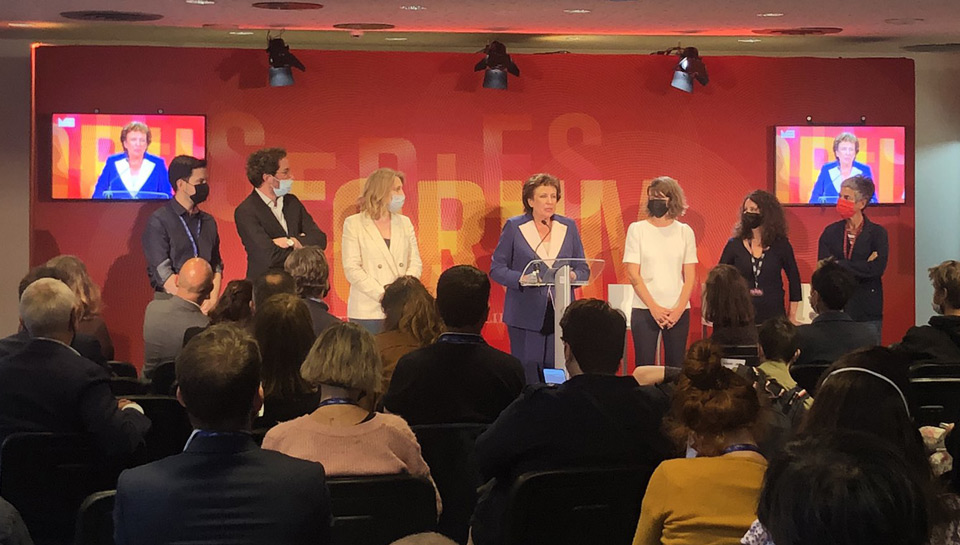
<point x="812" y="161"/>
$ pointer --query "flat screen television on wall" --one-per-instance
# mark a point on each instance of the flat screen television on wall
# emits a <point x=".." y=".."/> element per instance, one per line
<point x="813" y="160"/>
<point x="120" y="156"/>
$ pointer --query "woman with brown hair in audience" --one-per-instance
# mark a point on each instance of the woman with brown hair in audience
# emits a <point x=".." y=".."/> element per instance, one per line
<point x="727" y="305"/>
<point x="285" y="334"/>
<point x="347" y="439"/>
<point x="234" y="304"/>
<point x="711" y="498"/>
<point x="412" y="321"/>
<point x="89" y="320"/>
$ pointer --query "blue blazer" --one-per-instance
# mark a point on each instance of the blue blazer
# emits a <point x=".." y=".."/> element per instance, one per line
<point x="525" y="307"/>
<point x="109" y="180"/>
<point x="825" y="193"/>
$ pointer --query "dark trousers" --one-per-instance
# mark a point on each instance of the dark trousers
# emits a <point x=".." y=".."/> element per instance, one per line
<point x="534" y="350"/>
<point x="645" y="332"/>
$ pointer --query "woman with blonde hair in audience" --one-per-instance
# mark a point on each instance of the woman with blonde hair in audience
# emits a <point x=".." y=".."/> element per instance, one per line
<point x="89" y="320"/>
<point x="412" y="321"/>
<point x="347" y="439"/>
<point x="284" y="332"/>
<point x="711" y="498"/>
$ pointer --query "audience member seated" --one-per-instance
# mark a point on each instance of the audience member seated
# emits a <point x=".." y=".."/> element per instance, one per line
<point x="166" y="320"/>
<point x="938" y="342"/>
<point x="411" y="321"/>
<point x="311" y="273"/>
<point x="284" y="333"/>
<point x="843" y="488"/>
<point x="459" y="378"/>
<point x="86" y="345"/>
<point x="864" y="391"/>
<point x="223" y="488"/>
<point x="833" y="332"/>
<point x="14" y="532"/>
<point x="235" y="306"/>
<point x="346" y="438"/>
<point x="89" y="321"/>
<point x="271" y="283"/>
<point x="427" y="538"/>
<point x="711" y="498"/>
<point x="778" y="342"/>
<point x="48" y="387"/>
<point x="727" y="305"/>
<point x="594" y="419"/>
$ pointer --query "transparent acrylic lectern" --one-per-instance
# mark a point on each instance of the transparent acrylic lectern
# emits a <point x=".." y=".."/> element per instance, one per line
<point x="563" y="274"/>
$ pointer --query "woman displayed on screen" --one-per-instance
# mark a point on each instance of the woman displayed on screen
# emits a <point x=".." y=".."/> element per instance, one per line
<point x="134" y="173"/>
<point x="845" y="149"/>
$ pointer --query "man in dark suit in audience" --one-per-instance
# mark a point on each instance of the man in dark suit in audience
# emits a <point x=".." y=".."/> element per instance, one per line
<point x="87" y="346"/>
<point x="309" y="269"/>
<point x="48" y="387"/>
<point x="223" y="488"/>
<point x="271" y="221"/>
<point x="459" y="378"/>
<point x="594" y="419"/>
<point x="833" y="332"/>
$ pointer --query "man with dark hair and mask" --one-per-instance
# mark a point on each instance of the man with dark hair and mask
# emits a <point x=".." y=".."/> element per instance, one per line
<point x="179" y="231"/>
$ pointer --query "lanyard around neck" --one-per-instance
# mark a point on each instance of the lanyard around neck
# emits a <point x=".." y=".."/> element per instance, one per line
<point x="193" y="242"/>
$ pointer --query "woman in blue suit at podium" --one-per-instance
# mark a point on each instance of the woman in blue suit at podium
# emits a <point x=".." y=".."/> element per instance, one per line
<point x="134" y="173"/>
<point x="538" y="234"/>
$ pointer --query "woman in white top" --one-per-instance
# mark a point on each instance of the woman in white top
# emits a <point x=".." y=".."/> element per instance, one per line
<point x="661" y="261"/>
<point x="379" y="246"/>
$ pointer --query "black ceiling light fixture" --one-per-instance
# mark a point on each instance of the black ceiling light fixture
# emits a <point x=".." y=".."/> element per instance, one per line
<point x="496" y="65"/>
<point x="281" y="62"/>
<point x="690" y="68"/>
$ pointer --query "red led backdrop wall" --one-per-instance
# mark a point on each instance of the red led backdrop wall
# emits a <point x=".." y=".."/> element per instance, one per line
<point x="603" y="124"/>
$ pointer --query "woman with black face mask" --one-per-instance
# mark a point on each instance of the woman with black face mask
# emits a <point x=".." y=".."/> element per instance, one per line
<point x="760" y="250"/>
<point x="661" y="261"/>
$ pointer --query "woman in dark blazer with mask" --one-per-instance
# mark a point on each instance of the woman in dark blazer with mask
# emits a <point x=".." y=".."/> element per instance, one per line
<point x="537" y="234"/>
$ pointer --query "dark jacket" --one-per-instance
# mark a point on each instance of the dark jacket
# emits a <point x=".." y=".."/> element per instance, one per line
<point x="257" y="227"/>
<point x="47" y="387"/>
<point x="86" y="345"/>
<point x="831" y="335"/>
<point x="866" y="305"/>
<point x="938" y="342"/>
<point x="223" y="489"/>
<point x="320" y="315"/>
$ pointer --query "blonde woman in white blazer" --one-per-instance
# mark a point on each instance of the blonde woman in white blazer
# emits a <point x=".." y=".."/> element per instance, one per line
<point x="379" y="246"/>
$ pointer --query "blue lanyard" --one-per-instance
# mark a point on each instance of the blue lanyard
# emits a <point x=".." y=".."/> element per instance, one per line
<point x="196" y="252"/>
<point x="741" y="447"/>
<point x="461" y="338"/>
<point x="337" y="401"/>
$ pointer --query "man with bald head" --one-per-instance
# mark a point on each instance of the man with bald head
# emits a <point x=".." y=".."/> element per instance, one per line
<point x="49" y="387"/>
<point x="166" y="320"/>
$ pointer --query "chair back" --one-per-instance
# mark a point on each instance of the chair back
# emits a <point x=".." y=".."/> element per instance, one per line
<point x="95" y="520"/>
<point x="47" y="475"/>
<point x="123" y="369"/>
<point x="379" y="510"/>
<point x="169" y="426"/>
<point x="126" y="386"/>
<point x="164" y="377"/>
<point x="808" y="375"/>
<point x="936" y="391"/>
<point x="449" y="451"/>
<point x="576" y="506"/>
<point x="734" y="355"/>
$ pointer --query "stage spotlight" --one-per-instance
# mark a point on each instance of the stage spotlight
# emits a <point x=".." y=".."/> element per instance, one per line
<point x="496" y="65"/>
<point x="689" y="68"/>
<point x="281" y="62"/>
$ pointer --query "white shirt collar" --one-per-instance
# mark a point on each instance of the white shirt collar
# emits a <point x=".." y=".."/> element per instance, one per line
<point x="267" y="200"/>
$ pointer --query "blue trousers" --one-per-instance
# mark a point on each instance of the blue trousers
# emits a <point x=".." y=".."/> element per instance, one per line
<point x="373" y="326"/>
<point x="534" y="350"/>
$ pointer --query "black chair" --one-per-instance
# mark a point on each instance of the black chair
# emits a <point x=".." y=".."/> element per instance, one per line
<point x="164" y="379"/>
<point x="47" y="475"/>
<point x="740" y="354"/>
<point x="808" y="375"/>
<point x="169" y="427"/>
<point x="95" y="520"/>
<point x="935" y="387"/>
<point x="126" y="386"/>
<point x="379" y="510"/>
<point x="123" y="369"/>
<point x="576" y="506"/>
<point x="449" y="451"/>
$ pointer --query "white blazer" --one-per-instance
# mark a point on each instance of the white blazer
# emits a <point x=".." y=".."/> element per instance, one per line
<point x="369" y="265"/>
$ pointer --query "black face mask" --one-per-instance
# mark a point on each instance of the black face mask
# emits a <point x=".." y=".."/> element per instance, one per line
<point x="202" y="192"/>
<point x="751" y="220"/>
<point x="657" y="207"/>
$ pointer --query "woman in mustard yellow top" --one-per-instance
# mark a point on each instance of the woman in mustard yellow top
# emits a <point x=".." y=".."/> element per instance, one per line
<point x="710" y="499"/>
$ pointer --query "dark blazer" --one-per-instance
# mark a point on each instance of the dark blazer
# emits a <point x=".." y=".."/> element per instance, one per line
<point x="867" y="302"/>
<point x="823" y="190"/>
<point x="320" y="315"/>
<point x="47" y="387"/>
<point x="454" y="382"/>
<point x="938" y="342"/>
<point x="223" y="489"/>
<point x="257" y="227"/>
<point x="525" y="307"/>
<point x="87" y="346"/>
<point x="158" y="184"/>
<point x="831" y="335"/>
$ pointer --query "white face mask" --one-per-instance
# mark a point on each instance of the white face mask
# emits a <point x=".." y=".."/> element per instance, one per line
<point x="396" y="203"/>
<point x="285" y="186"/>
